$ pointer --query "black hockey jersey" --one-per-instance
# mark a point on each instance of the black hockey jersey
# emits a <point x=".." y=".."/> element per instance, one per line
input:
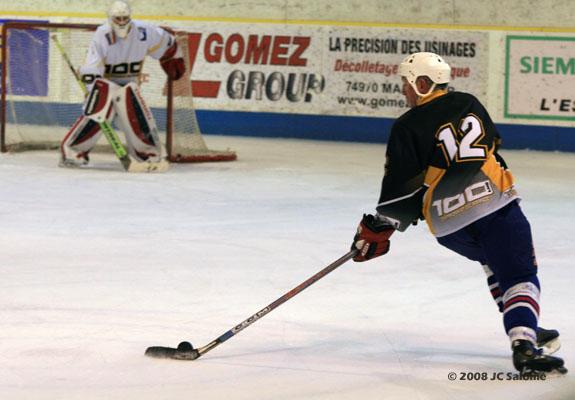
<point x="442" y="165"/>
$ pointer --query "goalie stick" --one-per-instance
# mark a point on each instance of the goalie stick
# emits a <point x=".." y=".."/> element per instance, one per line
<point x="185" y="351"/>
<point x="128" y="163"/>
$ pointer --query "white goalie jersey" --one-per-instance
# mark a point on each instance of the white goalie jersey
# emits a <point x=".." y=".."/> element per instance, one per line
<point x="111" y="75"/>
<point x="121" y="61"/>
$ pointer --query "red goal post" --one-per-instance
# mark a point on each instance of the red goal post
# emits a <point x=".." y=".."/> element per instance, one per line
<point x="40" y="99"/>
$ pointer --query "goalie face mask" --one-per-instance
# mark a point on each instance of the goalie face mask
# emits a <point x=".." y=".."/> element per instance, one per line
<point x="119" y="16"/>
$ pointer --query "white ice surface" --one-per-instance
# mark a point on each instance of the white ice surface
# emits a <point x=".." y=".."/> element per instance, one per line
<point x="96" y="265"/>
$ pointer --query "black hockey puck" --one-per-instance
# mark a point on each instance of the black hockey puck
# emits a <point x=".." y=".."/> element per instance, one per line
<point x="185" y="346"/>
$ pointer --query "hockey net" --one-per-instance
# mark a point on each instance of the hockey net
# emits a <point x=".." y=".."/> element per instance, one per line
<point x="41" y="99"/>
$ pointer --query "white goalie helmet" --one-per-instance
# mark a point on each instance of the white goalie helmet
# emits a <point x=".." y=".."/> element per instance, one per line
<point x="425" y="64"/>
<point x="119" y="16"/>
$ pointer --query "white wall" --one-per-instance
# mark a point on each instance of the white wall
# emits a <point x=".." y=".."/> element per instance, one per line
<point x="526" y="13"/>
<point x="489" y="22"/>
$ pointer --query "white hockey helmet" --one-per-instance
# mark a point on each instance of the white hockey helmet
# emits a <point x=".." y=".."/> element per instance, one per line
<point x="425" y="64"/>
<point x="120" y="18"/>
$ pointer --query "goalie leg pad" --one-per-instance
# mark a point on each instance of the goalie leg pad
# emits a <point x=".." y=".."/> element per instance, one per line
<point x="86" y="131"/>
<point x="98" y="105"/>
<point x="138" y="124"/>
<point x="78" y="142"/>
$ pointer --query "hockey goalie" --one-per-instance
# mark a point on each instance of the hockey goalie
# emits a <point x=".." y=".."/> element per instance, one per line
<point x="111" y="76"/>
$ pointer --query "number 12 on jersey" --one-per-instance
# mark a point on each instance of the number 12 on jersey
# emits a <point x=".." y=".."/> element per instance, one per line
<point x="461" y="144"/>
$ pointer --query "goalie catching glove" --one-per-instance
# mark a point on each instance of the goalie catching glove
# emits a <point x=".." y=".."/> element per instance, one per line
<point x="372" y="238"/>
<point x="172" y="63"/>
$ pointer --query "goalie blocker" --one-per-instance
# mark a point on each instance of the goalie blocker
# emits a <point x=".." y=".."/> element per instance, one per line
<point x="108" y="101"/>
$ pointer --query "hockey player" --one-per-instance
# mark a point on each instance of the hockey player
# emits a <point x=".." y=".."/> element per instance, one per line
<point x="442" y="165"/>
<point x="115" y="58"/>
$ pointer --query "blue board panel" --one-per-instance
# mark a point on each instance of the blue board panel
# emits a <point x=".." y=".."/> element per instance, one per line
<point x="364" y="129"/>
<point x="28" y="67"/>
<point x="315" y="127"/>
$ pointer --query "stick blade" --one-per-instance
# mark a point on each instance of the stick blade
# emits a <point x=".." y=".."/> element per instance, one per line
<point x="172" y="353"/>
<point x="145" y="166"/>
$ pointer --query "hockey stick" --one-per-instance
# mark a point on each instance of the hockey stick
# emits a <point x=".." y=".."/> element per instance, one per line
<point x="185" y="351"/>
<point x="128" y="163"/>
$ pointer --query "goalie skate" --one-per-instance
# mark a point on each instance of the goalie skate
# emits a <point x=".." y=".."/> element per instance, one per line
<point x="80" y="162"/>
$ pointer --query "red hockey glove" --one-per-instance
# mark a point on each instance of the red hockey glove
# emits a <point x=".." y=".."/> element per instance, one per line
<point x="172" y="63"/>
<point x="173" y="67"/>
<point x="371" y="239"/>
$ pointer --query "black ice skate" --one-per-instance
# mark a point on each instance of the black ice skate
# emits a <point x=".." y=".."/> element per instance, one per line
<point x="548" y="340"/>
<point x="529" y="360"/>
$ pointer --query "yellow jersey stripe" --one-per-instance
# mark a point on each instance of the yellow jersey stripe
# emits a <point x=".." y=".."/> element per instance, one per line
<point x="500" y="177"/>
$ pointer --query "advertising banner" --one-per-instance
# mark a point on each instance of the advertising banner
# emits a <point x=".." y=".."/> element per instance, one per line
<point x="333" y="70"/>
<point x="540" y="77"/>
